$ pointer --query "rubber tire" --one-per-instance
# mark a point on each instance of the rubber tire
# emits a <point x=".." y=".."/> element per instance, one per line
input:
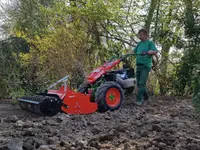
<point x="83" y="88"/>
<point x="101" y="94"/>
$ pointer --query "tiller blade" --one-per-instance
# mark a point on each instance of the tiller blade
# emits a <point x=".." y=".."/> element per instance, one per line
<point x="42" y="105"/>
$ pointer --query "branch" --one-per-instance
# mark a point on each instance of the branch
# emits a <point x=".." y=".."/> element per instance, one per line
<point x="118" y="39"/>
<point x="114" y="37"/>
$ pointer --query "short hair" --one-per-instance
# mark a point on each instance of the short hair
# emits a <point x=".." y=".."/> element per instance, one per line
<point x="144" y="31"/>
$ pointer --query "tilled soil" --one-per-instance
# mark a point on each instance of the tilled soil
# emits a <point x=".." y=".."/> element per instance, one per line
<point x="167" y="123"/>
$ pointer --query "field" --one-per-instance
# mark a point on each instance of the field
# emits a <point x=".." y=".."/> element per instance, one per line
<point x="167" y="123"/>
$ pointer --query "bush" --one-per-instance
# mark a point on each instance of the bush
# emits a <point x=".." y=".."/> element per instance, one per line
<point x="196" y="102"/>
<point x="3" y="88"/>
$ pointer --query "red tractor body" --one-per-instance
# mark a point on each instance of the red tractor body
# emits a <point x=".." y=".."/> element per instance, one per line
<point x="98" y="72"/>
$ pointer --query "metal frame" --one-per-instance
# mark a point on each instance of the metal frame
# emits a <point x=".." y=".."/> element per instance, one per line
<point x="64" y="80"/>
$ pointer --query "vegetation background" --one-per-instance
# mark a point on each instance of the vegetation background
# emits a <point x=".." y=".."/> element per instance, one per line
<point x="44" y="40"/>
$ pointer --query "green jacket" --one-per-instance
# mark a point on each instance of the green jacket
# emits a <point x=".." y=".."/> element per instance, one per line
<point x="141" y="47"/>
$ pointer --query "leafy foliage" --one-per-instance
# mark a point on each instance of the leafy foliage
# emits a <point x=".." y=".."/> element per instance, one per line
<point x="63" y="39"/>
<point x="9" y="67"/>
<point x="72" y="37"/>
<point x="187" y="71"/>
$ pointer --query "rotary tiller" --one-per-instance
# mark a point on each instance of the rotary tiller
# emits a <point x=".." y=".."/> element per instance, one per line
<point x="103" y="91"/>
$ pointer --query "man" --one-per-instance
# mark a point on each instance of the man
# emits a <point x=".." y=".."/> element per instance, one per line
<point x="146" y="49"/>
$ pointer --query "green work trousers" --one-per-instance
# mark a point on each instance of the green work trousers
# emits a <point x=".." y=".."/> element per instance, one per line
<point x="142" y="73"/>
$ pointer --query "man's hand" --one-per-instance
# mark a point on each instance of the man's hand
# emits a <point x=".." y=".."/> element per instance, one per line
<point x="144" y="53"/>
<point x="150" y="52"/>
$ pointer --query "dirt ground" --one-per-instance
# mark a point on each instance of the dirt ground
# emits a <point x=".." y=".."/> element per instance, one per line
<point x="168" y="123"/>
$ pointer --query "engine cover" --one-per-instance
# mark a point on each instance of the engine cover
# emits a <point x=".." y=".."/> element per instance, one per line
<point x="126" y="83"/>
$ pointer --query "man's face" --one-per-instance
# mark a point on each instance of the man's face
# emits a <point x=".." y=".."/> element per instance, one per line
<point x="142" y="36"/>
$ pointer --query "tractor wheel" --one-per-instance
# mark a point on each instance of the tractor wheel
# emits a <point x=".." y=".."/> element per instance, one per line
<point x="83" y="88"/>
<point x="109" y="96"/>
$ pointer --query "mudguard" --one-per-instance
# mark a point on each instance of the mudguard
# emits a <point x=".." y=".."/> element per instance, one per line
<point x="78" y="103"/>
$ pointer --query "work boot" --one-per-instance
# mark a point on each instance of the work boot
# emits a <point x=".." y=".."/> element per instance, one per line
<point x="147" y="99"/>
<point x="137" y="103"/>
<point x="146" y="96"/>
<point x="147" y="102"/>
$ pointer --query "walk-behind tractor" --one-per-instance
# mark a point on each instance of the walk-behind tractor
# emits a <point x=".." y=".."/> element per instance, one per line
<point x="104" y="91"/>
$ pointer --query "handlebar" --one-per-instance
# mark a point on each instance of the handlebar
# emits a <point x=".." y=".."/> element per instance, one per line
<point x="128" y="55"/>
<point x="122" y="57"/>
<point x="112" y="58"/>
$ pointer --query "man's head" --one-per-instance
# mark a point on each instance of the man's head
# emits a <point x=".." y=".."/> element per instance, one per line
<point x="143" y="34"/>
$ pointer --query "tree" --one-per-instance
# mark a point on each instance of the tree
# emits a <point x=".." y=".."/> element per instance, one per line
<point x="89" y="32"/>
<point x="187" y="71"/>
<point x="167" y="33"/>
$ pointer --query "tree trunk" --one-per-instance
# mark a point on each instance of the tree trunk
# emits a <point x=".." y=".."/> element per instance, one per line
<point x="150" y="14"/>
<point x="147" y="27"/>
<point x="156" y="22"/>
<point x="96" y="33"/>
<point x="163" y="68"/>
<point x="189" y="21"/>
<point x="165" y="56"/>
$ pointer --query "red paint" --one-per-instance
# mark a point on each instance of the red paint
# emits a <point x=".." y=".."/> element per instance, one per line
<point x="78" y="103"/>
<point x="98" y="72"/>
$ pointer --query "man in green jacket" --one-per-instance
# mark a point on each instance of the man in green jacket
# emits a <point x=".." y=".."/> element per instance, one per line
<point x="147" y="49"/>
